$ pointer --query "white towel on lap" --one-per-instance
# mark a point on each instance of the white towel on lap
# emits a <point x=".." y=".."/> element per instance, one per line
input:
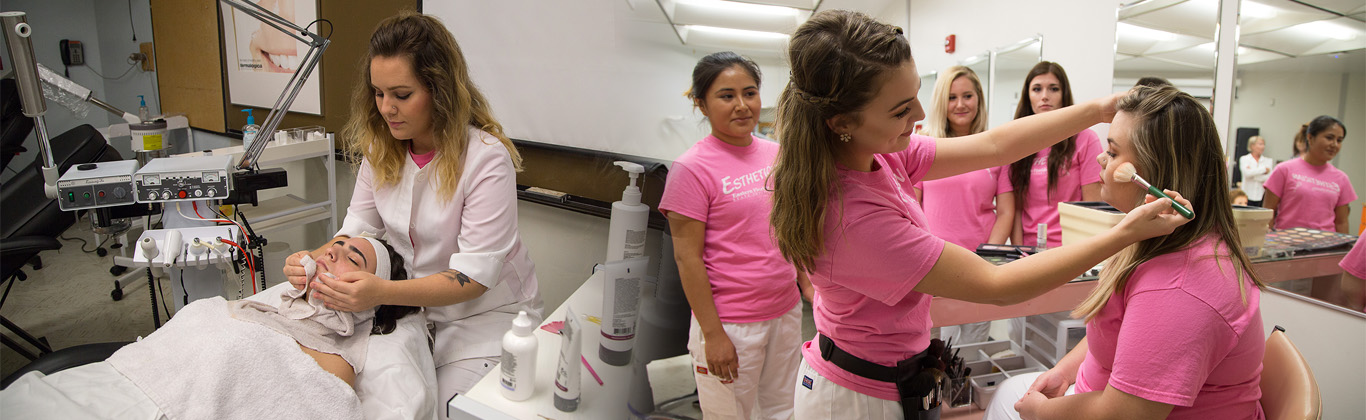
<point x="206" y="365"/>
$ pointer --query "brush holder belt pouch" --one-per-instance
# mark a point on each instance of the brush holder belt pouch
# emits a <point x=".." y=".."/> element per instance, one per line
<point x="903" y="375"/>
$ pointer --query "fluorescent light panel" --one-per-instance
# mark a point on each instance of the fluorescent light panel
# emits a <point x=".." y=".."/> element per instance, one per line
<point x="743" y="8"/>
<point x="737" y="33"/>
<point x="1327" y="29"/>
<point x="1149" y="33"/>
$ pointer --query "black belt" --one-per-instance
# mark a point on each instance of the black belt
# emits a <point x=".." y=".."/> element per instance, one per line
<point x="911" y="386"/>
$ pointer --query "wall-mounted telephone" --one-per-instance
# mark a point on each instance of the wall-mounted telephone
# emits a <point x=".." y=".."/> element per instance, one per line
<point x="73" y="54"/>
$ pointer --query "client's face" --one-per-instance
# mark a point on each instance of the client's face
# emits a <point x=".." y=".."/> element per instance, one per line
<point x="1119" y="150"/>
<point x="353" y="254"/>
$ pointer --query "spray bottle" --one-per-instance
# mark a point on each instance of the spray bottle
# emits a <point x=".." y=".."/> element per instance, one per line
<point x="143" y="113"/>
<point x="626" y="232"/>
<point x="249" y="131"/>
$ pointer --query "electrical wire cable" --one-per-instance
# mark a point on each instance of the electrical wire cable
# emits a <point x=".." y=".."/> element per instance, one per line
<point x="251" y="265"/>
<point x="97" y="73"/>
<point x="180" y="210"/>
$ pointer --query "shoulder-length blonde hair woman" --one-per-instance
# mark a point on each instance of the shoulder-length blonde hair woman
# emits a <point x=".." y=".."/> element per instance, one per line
<point x="950" y="115"/>
<point x="456" y="103"/>
<point x="438" y="180"/>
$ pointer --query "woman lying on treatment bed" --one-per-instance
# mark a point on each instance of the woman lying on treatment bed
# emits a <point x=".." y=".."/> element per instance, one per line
<point x="232" y="359"/>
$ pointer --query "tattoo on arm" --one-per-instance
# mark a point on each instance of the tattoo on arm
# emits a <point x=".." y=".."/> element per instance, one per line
<point x="453" y="275"/>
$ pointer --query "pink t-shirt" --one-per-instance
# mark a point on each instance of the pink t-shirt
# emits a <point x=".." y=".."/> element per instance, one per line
<point x="877" y="248"/>
<point x="961" y="208"/>
<point x="1309" y="194"/>
<point x="1041" y="207"/>
<point x="1180" y="334"/>
<point x="1355" y="261"/>
<point x="723" y="186"/>
<point x="423" y="159"/>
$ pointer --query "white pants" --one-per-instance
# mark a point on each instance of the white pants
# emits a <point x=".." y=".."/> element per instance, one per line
<point x="977" y="332"/>
<point x="768" y="353"/>
<point x="822" y="399"/>
<point x="1009" y="392"/>
<point x="458" y="377"/>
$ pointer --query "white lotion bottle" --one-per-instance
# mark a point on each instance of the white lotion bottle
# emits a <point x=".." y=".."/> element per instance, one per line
<point x="567" y="375"/>
<point x="626" y="231"/>
<point x="620" y="309"/>
<point x="519" y="359"/>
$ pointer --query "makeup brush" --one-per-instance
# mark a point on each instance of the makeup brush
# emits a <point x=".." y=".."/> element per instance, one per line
<point x="1126" y="173"/>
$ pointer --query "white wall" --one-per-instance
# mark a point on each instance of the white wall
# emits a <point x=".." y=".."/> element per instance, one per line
<point x="1079" y="35"/>
<point x="1333" y="343"/>
<point x="1278" y="102"/>
<point x="52" y="21"/>
<point x="116" y="43"/>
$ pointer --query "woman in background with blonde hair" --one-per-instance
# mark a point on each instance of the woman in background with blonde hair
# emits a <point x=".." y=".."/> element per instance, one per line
<point x="967" y="209"/>
<point x="1174" y="327"/>
<point x="438" y="181"/>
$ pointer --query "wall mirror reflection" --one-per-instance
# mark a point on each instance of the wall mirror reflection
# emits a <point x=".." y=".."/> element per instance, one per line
<point x="1010" y="64"/>
<point x="1298" y="61"/>
<point x="1171" y="39"/>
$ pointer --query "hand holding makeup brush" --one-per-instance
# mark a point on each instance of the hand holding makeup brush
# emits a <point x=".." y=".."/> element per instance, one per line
<point x="1155" y="218"/>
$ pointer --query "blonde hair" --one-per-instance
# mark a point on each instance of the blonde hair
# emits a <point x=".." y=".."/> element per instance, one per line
<point x="457" y="105"/>
<point x="1175" y="145"/>
<point x="937" y="123"/>
<point x="839" y="59"/>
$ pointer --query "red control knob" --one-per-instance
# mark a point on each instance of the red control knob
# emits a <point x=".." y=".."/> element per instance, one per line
<point x="182" y="194"/>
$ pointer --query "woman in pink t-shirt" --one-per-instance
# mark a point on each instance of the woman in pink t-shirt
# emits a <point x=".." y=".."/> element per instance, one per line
<point x="843" y="212"/>
<point x="966" y="209"/>
<point x="746" y="328"/>
<point x="1310" y="192"/>
<point x="1174" y="328"/>
<point x="1065" y="171"/>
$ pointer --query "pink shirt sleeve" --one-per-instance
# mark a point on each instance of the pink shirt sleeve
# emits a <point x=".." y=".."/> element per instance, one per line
<point x="1169" y="342"/>
<point x="1088" y="147"/>
<point x="1355" y="261"/>
<point x="1003" y="180"/>
<point x="1276" y="181"/>
<point x="1348" y="193"/>
<point x="882" y="255"/>
<point x="685" y="193"/>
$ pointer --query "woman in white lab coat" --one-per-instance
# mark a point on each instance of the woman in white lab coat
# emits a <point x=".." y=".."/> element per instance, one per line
<point x="1256" y="168"/>
<point x="438" y="181"/>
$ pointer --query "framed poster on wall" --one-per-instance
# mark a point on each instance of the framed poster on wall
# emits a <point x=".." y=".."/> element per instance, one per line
<point x="261" y="59"/>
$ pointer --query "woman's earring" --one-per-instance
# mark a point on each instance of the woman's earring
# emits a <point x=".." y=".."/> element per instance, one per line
<point x="845" y="137"/>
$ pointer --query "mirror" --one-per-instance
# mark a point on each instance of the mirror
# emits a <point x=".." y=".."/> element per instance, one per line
<point x="1010" y="65"/>
<point x="981" y="64"/>
<point x="926" y="94"/>
<point x="1171" y="39"/>
<point x="1296" y="61"/>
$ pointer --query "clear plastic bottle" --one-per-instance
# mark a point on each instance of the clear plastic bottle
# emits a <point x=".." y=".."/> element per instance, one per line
<point x="143" y="113"/>
<point x="250" y="130"/>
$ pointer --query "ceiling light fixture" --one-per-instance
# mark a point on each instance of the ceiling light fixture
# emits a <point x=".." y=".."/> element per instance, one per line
<point x="1142" y="32"/>
<point x="746" y="8"/>
<point x="738" y="33"/>
<point x="1328" y="29"/>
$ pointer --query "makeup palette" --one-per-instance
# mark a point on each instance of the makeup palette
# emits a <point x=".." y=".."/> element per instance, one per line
<point x="1001" y="254"/>
<point x="1302" y="239"/>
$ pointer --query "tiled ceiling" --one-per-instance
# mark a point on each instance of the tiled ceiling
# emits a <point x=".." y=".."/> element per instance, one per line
<point x="1178" y="35"/>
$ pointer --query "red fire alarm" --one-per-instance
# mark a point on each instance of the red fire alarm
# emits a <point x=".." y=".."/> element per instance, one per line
<point x="949" y="43"/>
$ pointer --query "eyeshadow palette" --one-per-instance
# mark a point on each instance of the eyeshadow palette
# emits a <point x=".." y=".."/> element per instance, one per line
<point x="1001" y="254"/>
<point x="1301" y="239"/>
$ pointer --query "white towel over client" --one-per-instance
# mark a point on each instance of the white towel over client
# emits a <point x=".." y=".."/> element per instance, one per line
<point x="206" y="365"/>
<point x="313" y="325"/>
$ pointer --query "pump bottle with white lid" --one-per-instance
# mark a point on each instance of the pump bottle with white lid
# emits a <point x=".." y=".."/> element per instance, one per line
<point x="250" y="130"/>
<point x="518" y="364"/>
<point x="626" y="231"/>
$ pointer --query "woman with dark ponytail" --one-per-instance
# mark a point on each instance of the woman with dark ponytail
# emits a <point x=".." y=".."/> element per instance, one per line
<point x="747" y="314"/>
<point x="1310" y="192"/>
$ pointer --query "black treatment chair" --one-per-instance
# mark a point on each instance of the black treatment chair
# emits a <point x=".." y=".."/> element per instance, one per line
<point x="14" y="126"/>
<point x="30" y="222"/>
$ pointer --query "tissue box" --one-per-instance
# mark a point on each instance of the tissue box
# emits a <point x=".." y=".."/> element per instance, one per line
<point x="1084" y="219"/>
